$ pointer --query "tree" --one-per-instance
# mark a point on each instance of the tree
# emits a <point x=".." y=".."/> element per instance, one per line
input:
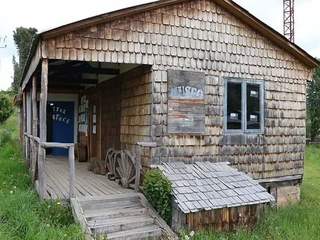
<point x="313" y="109"/>
<point x="6" y="106"/>
<point x="23" y="40"/>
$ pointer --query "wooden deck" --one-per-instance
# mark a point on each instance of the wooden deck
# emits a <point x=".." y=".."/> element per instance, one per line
<point x="87" y="184"/>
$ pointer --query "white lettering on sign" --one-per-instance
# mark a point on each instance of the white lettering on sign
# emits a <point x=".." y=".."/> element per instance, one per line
<point x="186" y="92"/>
<point x="59" y="115"/>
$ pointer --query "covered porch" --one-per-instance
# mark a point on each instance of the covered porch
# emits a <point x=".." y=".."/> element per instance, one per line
<point x="86" y="183"/>
<point x="73" y="113"/>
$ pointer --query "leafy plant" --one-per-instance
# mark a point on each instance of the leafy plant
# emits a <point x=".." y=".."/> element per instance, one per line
<point x="23" y="39"/>
<point x="157" y="189"/>
<point x="313" y="110"/>
<point x="6" y="107"/>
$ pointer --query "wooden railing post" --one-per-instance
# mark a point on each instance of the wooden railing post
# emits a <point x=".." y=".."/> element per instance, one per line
<point x="34" y="121"/>
<point x="43" y="126"/>
<point x="41" y="170"/>
<point x="71" y="172"/>
<point x="138" y="168"/>
<point x="31" y="152"/>
<point x="138" y="164"/>
<point x="25" y="146"/>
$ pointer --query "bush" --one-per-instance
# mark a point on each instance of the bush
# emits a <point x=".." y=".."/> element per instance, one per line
<point x="313" y="110"/>
<point x="5" y="137"/>
<point x="157" y="189"/>
<point x="6" y="107"/>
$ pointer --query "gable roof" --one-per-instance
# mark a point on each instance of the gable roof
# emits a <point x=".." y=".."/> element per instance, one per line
<point x="207" y="186"/>
<point x="228" y="5"/>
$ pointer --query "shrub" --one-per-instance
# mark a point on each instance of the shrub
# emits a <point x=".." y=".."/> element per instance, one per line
<point x="6" y="107"/>
<point x="313" y="110"/>
<point x="157" y="189"/>
<point x="5" y="137"/>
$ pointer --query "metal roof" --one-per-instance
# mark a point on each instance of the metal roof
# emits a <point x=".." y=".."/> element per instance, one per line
<point x="208" y="186"/>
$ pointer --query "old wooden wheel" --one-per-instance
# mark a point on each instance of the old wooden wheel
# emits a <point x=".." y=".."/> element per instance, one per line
<point x="125" y="168"/>
<point x="111" y="162"/>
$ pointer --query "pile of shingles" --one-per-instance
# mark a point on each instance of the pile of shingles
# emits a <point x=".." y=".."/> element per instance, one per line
<point x="209" y="186"/>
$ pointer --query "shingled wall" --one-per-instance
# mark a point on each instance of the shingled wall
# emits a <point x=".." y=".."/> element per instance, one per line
<point x="201" y="36"/>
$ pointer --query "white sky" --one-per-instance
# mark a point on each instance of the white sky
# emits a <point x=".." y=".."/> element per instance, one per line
<point x="47" y="14"/>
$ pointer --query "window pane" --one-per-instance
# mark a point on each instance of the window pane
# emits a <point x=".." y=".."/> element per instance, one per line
<point x="253" y="106"/>
<point x="234" y="105"/>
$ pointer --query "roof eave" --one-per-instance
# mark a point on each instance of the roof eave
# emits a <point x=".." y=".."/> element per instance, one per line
<point x="33" y="48"/>
<point x="229" y="5"/>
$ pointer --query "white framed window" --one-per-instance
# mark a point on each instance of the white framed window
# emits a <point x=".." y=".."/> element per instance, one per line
<point x="244" y="106"/>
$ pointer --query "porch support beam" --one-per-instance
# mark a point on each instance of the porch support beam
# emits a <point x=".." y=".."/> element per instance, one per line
<point x="24" y="103"/>
<point x="43" y="126"/>
<point x="34" y="150"/>
<point x="34" y="107"/>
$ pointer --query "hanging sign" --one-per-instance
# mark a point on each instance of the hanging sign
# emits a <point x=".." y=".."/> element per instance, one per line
<point x="186" y="105"/>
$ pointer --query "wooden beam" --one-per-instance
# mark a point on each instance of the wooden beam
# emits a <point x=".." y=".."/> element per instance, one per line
<point x="34" y="130"/>
<point x="34" y="62"/>
<point x="56" y="145"/>
<point x="24" y="120"/>
<point x="34" y="107"/>
<point x="43" y="100"/>
<point x="71" y="172"/>
<point x="43" y="126"/>
<point x="70" y="81"/>
<point x="84" y="68"/>
<point x="138" y="168"/>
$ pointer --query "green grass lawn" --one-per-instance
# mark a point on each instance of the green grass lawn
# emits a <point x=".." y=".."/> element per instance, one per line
<point x="24" y="216"/>
<point x="300" y="221"/>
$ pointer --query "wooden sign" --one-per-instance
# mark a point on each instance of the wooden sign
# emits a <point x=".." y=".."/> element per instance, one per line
<point x="186" y="113"/>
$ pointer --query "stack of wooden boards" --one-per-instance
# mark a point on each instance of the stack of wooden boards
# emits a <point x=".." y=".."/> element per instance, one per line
<point x="120" y="217"/>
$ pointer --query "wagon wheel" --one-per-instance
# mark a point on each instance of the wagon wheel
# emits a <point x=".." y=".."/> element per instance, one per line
<point x="110" y="162"/>
<point x="125" y="168"/>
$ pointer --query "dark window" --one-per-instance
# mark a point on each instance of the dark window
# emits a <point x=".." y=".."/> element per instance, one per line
<point x="244" y="106"/>
<point x="234" y="105"/>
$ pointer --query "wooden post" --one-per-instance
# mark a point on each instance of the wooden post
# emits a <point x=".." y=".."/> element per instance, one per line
<point x="43" y="126"/>
<point x="71" y="172"/>
<point x="34" y="107"/>
<point x="138" y="168"/>
<point x="41" y="169"/>
<point x="24" y="123"/>
<point x="34" y="125"/>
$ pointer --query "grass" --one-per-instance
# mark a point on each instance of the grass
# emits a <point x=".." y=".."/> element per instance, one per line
<point x="22" y="214"/>
<point x="296" y="222"/>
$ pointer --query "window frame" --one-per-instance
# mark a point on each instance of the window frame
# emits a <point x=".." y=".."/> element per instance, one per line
<point x="244" y="83"/>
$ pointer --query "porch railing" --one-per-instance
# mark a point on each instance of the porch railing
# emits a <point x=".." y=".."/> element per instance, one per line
<point x="35" y="153"/>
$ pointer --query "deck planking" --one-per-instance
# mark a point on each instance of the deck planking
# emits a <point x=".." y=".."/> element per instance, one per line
<point x="87" y="184"/>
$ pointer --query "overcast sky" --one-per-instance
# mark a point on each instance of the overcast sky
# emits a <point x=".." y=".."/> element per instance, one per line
<point x="44" y="15"/>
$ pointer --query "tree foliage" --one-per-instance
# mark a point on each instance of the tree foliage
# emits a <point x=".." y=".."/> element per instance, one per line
<point x="313" y="106"/>
<point x="6" y="106"/>
<point x="23" y="39"/>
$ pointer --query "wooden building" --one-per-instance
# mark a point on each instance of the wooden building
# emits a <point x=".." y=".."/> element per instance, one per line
<point x="204" y="80"/>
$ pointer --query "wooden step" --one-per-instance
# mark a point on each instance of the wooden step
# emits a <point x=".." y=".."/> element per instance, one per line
<point x="115" y="213"/>
<point x="119" y="224"/>
<point x="104" y="206"/>
<point x="85" y="201"/>
<point x="146" y="232"/>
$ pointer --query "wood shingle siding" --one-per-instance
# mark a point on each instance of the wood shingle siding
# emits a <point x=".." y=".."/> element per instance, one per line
<point x="202" y="36"/>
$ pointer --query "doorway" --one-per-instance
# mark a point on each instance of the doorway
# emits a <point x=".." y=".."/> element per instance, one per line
<point x="60" y="125"/>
